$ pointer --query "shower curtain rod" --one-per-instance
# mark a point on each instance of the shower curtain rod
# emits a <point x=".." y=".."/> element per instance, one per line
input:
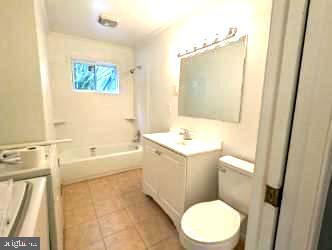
<point x="231" y="33"/>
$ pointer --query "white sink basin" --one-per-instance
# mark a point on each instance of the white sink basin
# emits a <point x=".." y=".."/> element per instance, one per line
<point x="176" y="143"/>
<point x="184" y="142"/>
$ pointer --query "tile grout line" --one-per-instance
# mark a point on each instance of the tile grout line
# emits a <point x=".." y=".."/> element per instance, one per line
<point x="135" y="225"/>
<point x="126" y="228"/>
<point x="97" y="219"/>
<point x="125" y="207"/>
<point x="135" y="228"/>
<point x="78" y="225"/>
<point x="147" y="219"/>
<point x="140" y="236"/>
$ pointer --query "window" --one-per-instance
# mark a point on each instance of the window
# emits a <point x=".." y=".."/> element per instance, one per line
<point x="95" y="77"/>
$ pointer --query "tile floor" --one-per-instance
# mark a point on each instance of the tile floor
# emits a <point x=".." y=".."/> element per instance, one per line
<point x="112" y="213"/>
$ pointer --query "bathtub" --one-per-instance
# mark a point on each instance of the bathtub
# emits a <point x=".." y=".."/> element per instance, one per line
<point x="91" y="162"/>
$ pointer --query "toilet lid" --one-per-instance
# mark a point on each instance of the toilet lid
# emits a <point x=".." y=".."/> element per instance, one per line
<point x="211" y="222"/>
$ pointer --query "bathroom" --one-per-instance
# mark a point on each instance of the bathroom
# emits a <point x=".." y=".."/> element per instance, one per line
<point x="140" y="124"/>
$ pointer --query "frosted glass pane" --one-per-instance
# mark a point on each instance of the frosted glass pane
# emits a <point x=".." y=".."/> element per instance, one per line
<point x="90" y="76"/>
<point x="84" y="76"/>
<point x="106" y="79"/>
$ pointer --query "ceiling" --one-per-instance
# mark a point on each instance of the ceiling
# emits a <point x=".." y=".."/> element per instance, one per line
<point x="137" y="18"/>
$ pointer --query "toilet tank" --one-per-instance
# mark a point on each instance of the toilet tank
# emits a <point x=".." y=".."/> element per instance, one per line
<point x="235" y="182"/>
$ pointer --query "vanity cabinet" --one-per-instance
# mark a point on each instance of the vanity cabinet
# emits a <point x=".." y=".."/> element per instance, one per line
<point x="172" y="180"/>
<point x="177" y="181"/>
<point x="151" y="159"/>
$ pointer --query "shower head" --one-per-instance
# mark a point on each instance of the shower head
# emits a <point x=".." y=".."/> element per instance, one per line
<point x="132" y="71"/>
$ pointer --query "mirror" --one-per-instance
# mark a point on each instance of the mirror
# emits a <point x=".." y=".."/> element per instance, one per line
<point x="211" y="82"/>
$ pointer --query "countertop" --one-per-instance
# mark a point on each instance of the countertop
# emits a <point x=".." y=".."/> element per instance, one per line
<point x="174" y="142"/>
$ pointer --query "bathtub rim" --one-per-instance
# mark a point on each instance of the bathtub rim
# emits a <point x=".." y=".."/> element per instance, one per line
<point x="91" y="158"/>
<point x="101" y="175"/>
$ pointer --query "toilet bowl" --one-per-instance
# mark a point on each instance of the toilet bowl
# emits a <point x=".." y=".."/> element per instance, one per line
<point x="216" y="224"/>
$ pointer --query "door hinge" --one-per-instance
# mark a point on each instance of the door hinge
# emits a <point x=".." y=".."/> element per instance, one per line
<point x="273" y="196"/>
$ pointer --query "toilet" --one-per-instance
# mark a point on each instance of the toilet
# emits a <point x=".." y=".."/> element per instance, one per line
<point x="216" y="224"/>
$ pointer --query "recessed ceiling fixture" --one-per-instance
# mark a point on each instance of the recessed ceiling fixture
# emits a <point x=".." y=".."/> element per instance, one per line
<point x="106" y="20"/>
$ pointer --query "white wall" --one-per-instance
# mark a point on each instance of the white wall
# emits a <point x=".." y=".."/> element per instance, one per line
<point x="22" y="107"/>
<point x="42" y="31"/>
<point x="158" y="57"/>
<point x="90" y="118"/>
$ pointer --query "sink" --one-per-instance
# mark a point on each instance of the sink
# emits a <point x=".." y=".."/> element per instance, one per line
<point x="176" y="143"/>
<point x="173" y="139"/>
<point x="184" y="142"/>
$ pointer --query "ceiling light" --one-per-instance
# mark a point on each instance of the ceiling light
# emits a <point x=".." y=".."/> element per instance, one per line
<point x="106" y="20"/>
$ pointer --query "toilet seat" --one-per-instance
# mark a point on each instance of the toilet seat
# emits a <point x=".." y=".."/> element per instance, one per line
<point x="210" y="225"/>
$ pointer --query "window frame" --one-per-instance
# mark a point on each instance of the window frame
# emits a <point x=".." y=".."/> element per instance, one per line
<point x="94" y="62"/>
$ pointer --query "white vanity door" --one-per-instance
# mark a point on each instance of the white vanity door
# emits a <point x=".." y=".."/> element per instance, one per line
<point x="172" y="184"/>
<point x="151" y="170"/>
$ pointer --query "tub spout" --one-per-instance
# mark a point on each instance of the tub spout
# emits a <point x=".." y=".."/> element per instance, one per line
<point x="93" y="151"/>
<point x="137" y="137"/>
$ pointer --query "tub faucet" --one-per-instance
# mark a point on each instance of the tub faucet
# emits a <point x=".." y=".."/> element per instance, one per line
<point x="137" y="137"/>
<point x="186" y="134"/>
<point x="93" y="151"/>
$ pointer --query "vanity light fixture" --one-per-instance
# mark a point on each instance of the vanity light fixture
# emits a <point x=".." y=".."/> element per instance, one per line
<point x="107" y="21"/>
<point x="231" y="33"/>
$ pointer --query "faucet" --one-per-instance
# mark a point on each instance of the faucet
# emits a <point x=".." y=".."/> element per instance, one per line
<point x="10" y="158"/>
<point x="93" y="151"/>
<point x="186" y="134"/>
<point x="137" y="137"/>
